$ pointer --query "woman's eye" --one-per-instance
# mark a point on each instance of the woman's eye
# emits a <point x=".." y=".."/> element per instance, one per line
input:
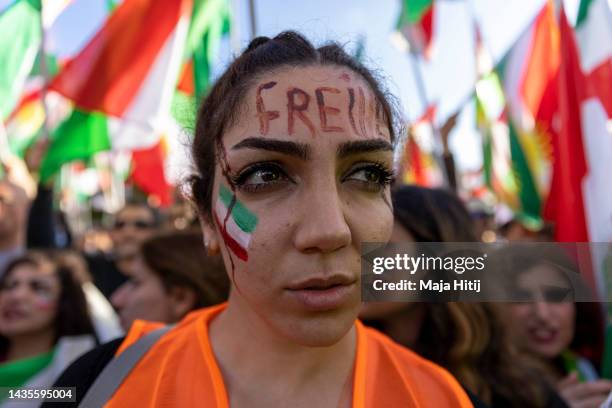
<point x="373" y="177"/>
<point x="259" y="176"/>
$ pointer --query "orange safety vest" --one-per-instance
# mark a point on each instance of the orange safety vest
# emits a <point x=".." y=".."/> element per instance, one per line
<point x="180" y="370"/>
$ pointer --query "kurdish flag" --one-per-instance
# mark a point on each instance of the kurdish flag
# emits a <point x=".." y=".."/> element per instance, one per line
<point x="528" y="74"/>
<point x="416" y="23"/>
<point x="492" y="123"/>
<point x="122" y="82"/>
<point x="236" y="223"/>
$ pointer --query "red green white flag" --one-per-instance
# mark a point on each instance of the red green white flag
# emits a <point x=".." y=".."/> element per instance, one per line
<point x="122" y="82"/>
<point x="416" y="24"/>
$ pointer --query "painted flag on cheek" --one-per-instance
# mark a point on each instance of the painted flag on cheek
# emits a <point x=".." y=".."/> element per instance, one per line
<point x="235" y="221"/>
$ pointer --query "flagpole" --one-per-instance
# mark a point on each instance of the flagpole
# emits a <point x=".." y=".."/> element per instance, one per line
<point x="44" y="72"/>
<point x="253" y="18"/>
<point x="422" y="93"/>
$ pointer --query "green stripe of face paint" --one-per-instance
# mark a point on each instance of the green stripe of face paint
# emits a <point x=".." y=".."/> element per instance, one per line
<point x="245" y="219"/>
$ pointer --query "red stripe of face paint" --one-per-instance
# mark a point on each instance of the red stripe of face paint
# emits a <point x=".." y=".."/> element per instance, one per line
<point x="231" y="243"/>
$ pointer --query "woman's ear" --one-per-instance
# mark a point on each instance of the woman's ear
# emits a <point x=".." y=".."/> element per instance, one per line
<point x="209" y="233"/>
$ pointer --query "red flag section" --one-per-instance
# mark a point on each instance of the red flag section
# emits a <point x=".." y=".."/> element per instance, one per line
<point x="107" y="74"/>
<point x="565" y="204"/>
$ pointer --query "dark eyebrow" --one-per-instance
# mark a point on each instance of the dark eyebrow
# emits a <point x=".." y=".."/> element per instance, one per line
<point x="363" y="146"/>
<point x="299" y="150"/>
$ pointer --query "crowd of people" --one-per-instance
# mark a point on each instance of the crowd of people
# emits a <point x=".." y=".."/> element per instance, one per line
<point x="255" y="301"/>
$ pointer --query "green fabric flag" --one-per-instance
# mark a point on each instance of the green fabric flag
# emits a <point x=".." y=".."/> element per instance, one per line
<point x="78" y="138"/>
<point x="20" y="37"/>
<point x="413" y="11"/>
<point x="210" y="21"/>
<point x="528" y="194"/>
<point x="583" y="11"/>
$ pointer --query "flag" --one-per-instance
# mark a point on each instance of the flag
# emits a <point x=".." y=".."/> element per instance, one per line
<point x="528" y="73"/>
<point x="121" y="82"/>
<point x="23" y="125"/>
<point x="21" y="26"/>
<point x="415" y="23"/>
<point x="20" y="36"/>
<point x="148" y="172"/>
<point x="236" y="222"/>
<point x="418" y="163"/>
<point x="211" y="20"/>
<point x="491" y="120"/>
<point x="594" y="38"/>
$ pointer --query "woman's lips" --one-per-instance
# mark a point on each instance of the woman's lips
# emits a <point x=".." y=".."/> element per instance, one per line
<point x="543" y="335"/>
<point x="320" y="299"/>
<point x="12" y="314"/>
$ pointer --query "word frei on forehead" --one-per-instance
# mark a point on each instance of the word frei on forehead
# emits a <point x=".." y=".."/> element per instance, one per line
<point x="360" y="107"/>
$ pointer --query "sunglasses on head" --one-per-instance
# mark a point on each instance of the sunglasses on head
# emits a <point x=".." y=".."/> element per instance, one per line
<point x="138" y="224"/>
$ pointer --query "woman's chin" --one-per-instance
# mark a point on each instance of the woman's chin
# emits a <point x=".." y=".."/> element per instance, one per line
<point x="319" y="329"/>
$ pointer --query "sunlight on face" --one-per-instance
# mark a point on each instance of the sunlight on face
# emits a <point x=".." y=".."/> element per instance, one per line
<point x="309" y="163"/>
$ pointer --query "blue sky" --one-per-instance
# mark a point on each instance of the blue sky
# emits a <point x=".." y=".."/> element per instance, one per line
<point x="448" y="77"/>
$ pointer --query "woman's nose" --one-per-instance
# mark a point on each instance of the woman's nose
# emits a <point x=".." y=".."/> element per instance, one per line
<point x="323" y="226"/>
<point x="542" y="310"/>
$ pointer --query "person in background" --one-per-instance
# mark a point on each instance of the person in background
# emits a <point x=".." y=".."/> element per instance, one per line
<point x="44" y="321"/>
<point x="547" y="324"/>
<point x="132" y="225"/>
<point x="468" y="339"/>
<point x="171" y="276"/>
<point x="13" y="219"/>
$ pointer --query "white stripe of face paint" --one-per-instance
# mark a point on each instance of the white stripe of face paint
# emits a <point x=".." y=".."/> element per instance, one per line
<point x="233" y="229"/>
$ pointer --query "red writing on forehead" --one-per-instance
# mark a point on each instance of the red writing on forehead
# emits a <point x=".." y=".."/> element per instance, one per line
<point x="327" y="110"/>
<point x="359" y="128"/>
<point x="297" y="108"/>
<point x="298" y="114"/>
<point x="345" y="77"/>
<point x="264" y="116"/>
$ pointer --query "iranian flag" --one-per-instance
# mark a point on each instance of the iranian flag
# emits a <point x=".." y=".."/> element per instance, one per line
<point x="122" y="82"/>
<point x="236" y="223"/>
<point x="416" y="24"/>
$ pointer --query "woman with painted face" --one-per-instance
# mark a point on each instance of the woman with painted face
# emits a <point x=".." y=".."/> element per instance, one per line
<point x="293" y="149"/>
<point x="44" y="324"/>
<point x="563" y="335"/>
<point x="171" y="276"/>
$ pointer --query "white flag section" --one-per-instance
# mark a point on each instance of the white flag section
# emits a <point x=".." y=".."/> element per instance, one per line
<point x="594" y="37"/>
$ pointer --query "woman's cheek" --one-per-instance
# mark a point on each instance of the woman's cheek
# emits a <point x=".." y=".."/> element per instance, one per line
<point x="45" y="304"/>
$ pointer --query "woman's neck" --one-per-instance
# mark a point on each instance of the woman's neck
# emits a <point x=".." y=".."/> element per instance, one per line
<point x="29" y="345"/>
<point x="246" y="348"/>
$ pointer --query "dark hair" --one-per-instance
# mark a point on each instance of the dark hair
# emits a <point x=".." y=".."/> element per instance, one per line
<point x="222" y="107"/>
<point x="179" y="259"/>
<point x="432" y="215"/>
<point x="468" y="339"/>
<point x="72" y="317"/>
<point x="516" y="259"/>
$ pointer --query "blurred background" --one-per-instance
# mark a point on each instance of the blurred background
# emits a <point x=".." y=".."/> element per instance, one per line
<point x="506" y="135"/>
